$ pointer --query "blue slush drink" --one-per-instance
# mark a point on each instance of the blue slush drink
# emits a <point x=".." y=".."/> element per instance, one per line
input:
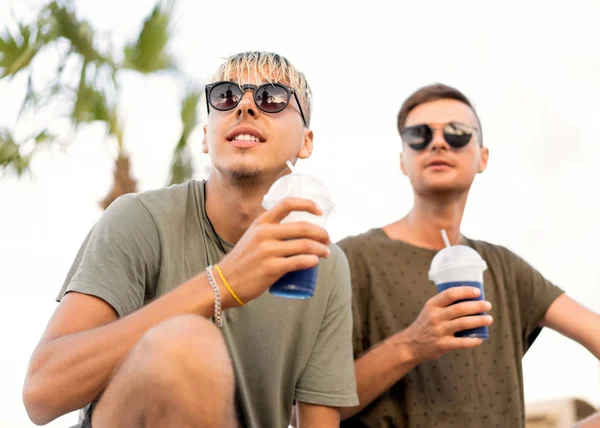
<point x="458" y="266"/>
<point x="299" y="284"/>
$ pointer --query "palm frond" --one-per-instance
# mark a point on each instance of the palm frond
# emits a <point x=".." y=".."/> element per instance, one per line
<point x="189" y="112"/>
<point x="16" y="52"/>
<point x="90" y="106"/>
<point x="31" y="98"/>
<point x="149" y="52"/>
<point x="80" y="34"/>
<point x="11" y="153"/>
<point x="182" y="167"/>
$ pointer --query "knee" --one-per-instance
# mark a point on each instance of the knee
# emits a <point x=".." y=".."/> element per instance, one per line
<point x="186" y="347"/>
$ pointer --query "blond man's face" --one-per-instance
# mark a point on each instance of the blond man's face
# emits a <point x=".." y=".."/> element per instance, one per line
<point x="246" y="143"/>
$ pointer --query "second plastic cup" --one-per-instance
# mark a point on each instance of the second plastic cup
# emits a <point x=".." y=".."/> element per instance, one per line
<point x="299" y="284"/>
<point x="458" y="266"/>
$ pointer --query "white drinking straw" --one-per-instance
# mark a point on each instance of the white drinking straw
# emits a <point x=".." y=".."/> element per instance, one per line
<point x="445" y="238"/>
<point x="290" y="166"/>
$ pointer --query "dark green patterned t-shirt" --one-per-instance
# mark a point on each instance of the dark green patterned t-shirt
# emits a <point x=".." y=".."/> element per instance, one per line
<point x="473" y="388"/>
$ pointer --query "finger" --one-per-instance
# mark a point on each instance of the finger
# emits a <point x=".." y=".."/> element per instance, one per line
<point x="462" y="309"/>
<point x="301" y="246"/>
<point x="449" y="343"/>
<point x="469" y="322"/>
<point x="300" y="230"/>
<point x="286" y="206"/>
<point x="451" y="295"/>
<point x="299" y="262"/>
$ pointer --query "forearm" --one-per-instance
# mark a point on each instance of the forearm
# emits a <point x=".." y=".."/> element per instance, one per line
<point x="575" y="321"/>
<point x="67" y="372"/>
<point x="379" y="369"/>
<point x="590" y="332"/>
<point x="593" y="342"/>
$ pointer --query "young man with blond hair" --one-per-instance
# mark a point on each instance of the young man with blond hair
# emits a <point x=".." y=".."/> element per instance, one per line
<point x="131" y="341"/>
<point x="411" y="369"/>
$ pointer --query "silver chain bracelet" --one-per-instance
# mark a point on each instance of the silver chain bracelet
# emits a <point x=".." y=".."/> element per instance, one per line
<point x="215" y="288"/>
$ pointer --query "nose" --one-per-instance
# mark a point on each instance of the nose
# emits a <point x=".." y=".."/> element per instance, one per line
<point x="247" y="106"/>
<point x="438" y="142"/>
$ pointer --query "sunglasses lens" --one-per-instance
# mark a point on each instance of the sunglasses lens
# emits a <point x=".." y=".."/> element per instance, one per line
<point x="225" y="96"/>
<point x="272" y="98"/>
<point x="456" y="135"/>
<point x="417" y="137"/>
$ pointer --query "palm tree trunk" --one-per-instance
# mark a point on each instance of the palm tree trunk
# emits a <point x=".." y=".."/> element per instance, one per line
<point x="123" y="181"/>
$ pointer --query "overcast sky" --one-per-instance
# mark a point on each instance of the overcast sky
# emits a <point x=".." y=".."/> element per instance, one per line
<point x="532" y="71"/>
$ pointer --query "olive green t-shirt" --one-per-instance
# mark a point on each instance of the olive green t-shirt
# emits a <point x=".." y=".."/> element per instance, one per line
<point x="474" y="388"/>
<point x="282" y="350"/>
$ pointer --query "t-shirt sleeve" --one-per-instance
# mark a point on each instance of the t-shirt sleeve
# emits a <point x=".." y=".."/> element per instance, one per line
<point x="119" y="260"/>
<point x="360" y="296"/>
<point x="328" y="378"/>
<point x="536" y="294"/>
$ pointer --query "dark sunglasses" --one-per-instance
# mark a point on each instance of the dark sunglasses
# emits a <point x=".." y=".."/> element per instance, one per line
<point x="270" y="97"/>
<point x="456" y="134"/>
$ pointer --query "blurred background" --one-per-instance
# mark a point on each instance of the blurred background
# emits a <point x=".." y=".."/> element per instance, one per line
<point x="99" y="98"/>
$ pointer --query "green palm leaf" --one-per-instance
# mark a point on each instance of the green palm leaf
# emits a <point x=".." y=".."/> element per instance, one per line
<point x="182" y="167"/>
<point x="90" y="106"/>
<point x="11" y="155"/>
<point x="94" y="98"/>
<point x="189" y="112"/>
<point x="149" y="52"/>
<point x="79" y="33"/>
<point x="16" y="53"/>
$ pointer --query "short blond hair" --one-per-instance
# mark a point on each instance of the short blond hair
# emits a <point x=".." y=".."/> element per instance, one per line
<point x="269" y="67"/>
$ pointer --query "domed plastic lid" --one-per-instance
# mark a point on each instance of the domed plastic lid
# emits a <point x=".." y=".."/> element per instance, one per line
<point x="456" y="256"/>
<point x="299" y="186"/>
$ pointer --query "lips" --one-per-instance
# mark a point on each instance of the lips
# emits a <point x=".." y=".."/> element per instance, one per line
<point x="439" y="163"/>
<point x="245" y="134"/>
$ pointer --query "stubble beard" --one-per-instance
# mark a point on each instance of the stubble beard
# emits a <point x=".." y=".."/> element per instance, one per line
<point x="244" y="177"/>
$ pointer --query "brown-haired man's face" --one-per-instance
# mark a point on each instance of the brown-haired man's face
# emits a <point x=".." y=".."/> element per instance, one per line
<point x="440" y="168"/>
<point x="275" y="138"/>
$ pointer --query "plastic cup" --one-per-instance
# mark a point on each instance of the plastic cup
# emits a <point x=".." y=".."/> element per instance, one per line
<point x="299" y="284"/>
<point x="458" y="266"/>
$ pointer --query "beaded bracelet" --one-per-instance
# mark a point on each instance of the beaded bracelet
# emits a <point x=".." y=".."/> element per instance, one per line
<point x="215" y="288"/>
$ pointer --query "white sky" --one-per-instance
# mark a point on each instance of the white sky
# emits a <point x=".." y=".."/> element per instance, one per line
<point x="532" y="70"/>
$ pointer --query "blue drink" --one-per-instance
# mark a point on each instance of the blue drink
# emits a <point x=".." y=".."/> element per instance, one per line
<point x="299" y="284"/>
<point x="481" y="332"/>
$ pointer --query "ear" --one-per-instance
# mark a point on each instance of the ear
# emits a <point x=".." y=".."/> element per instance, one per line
<point x="307" y="145"/>
<point x="204" y="144"/>
<point x="402" y="167"/>
<point x="484" y="154"/>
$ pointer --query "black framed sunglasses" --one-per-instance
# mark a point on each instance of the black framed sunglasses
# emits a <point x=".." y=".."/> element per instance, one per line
<point x="269" y="97"/>
<point x="456" y="134"/>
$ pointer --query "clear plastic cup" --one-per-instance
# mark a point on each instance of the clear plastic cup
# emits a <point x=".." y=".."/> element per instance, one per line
<point x="457" y="266"/>
<point x="299" y="284"/>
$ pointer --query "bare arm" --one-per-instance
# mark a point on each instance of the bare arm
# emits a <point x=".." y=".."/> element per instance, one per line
<point x="315" y="416"/>
<point x="428" y="338"/>
<point x="84" y="342"/>
<point x="379" y="369"/>
<point x="575" y="321"/>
